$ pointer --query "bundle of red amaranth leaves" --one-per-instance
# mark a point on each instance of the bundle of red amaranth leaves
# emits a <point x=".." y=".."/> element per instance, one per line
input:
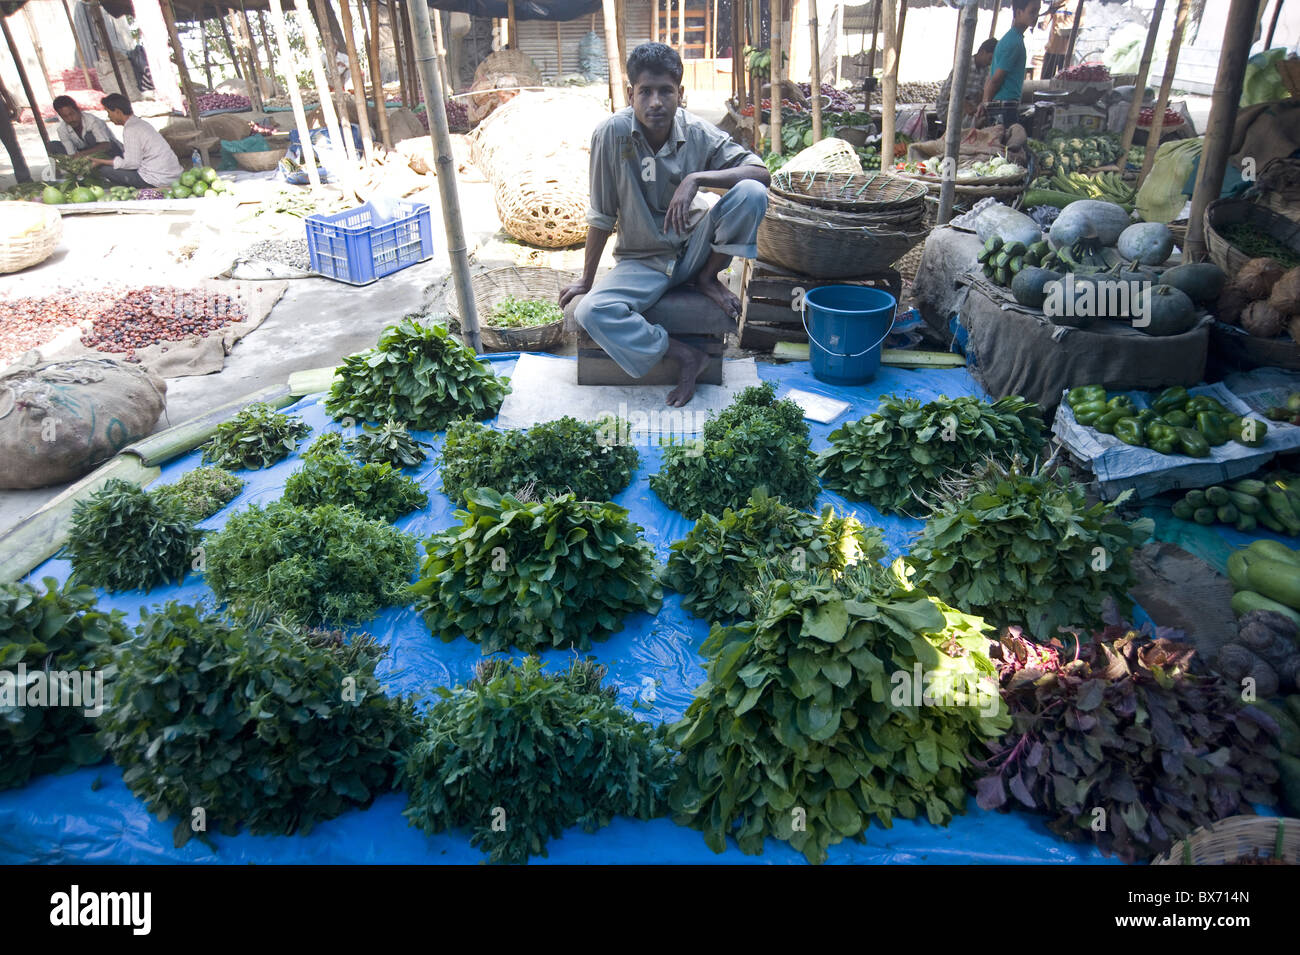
<point x="1121" y="744"/>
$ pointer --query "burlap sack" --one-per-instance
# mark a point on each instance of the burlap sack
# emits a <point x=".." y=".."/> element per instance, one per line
<point x="60" y="419"/>
<point x="225" y="126"/>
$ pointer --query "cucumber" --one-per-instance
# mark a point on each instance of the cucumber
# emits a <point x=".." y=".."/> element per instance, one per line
<point x="1273" y="550"/>
<point x="1183" y="511"/>
<point x="1218" y="496"/>
<point x="1204" y="515"/>
<point x="1245" y="523"/>
<point x="1275" y="580"/>
<point x="1001" y="259"/>
<point x="1016" y="264"/>
<point x="1015" y="248"/>
<point x="1227" y="514"/>
<point x="1195" y="498"/>
<point x="983" y="256"/>
<point x="1238" y="563"/>
<point x="1244" y="601"/>
<point x="1248" y="486"/>
<point x="1267" y="519"/>
<point x="1244" y="502"/>
<point x="993" y="243"/>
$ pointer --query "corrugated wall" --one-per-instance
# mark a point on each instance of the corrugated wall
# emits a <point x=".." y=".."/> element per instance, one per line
<point x="537" y="37"/>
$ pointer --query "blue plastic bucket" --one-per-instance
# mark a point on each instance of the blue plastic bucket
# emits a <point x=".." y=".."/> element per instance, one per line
<point x="849" y="325"/>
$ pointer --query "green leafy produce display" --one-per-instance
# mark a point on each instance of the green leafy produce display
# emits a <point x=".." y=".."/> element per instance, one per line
<point x="123" y="538"/>
<point x="389" y="442"/>
<point x="264" y="727"/>
<point x="377" y="491"/>
<point x="512" y="312"/>
<point x="1028" y="550"/>
<point x="536" y="754"/>
<point x="316" y="565"/>
<point x="1256" y="244"/>
<point x="559" y="572"/>
<point x="419" y="375"/>
<point x="719" y="563"/>
<point x="257" y="437"/>
<point x="895" y="457"/>
<point x="58" y="629"/>
<point x="803" y="730"/>
<point x="1127" y="729"/>
<point x="1175" y="423"/>
<point x="553" y="458"/>
<point x="202" y="492"/>
<point x="755" y="442"/>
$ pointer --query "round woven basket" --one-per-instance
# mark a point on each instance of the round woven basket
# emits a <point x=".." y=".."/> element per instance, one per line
<point x="1228" y="840"/>
<point x="818" y="248"/>
<point x="1222" y="213"/>
<point x="826" y="155"/>
<point x="32" y="248"/>
<point x="546" y="208"/>
<point x="259" y="161"/>
<point x="521" y="282"/>
<point x="862" y="192"/>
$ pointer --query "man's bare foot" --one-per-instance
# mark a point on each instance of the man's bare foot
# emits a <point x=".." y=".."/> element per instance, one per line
<point x="690" y="362"/>
<point x="712" y="286"/>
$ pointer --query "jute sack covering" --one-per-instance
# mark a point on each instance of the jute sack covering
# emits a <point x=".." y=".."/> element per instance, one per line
<point x="60" y="420"/>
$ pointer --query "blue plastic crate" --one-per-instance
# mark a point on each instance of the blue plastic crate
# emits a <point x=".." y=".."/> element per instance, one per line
<point x="361" y="245"/>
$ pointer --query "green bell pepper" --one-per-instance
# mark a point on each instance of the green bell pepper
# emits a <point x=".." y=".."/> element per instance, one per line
<point x="1106" y="423"/>
<point x="1169" y="399"/>
<point x="1120" y="401"/>
<point x="1129" y="430"/>
<point x="1147" y="416"/>
<point x="1214" y="431"/>
<point x="1253" y="428"/>
<point x="1193" y="443"/>
<point x="1088" y="413"/>
<point x="1204" y="403"/>
<point x="1164" y="445"/>
<point x="1179" y="419"/>
<point x="1085" y="394"/>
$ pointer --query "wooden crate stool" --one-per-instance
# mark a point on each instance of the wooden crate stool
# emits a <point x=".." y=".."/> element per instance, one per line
<point x="768" y="294"/>
<point x="688" y="315"/>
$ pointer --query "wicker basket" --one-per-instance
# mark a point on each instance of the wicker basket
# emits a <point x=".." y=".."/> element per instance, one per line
<point x="260" y="161"/>
<point x="544" y="208"/>
<point x="522" y="282"/>
<point x="1226" y="841"/>
<point x="827" y="155"/>
<point x="865" y="192"/>
<point x="1222" y="213"/>
<point x="24" y="251"/>
<point x="827" y="250"/>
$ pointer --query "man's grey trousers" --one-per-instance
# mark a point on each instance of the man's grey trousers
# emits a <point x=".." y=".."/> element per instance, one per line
<point x="611" y="311"/>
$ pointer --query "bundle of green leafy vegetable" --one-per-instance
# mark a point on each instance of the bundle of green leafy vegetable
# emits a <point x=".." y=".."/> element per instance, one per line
<point x="314" y="565"/>
<point x="57" y="631"/>
<point x="521" y="755"/>
<point x="377" y="491"/>
<point x="512" y="312"/>
<point x="257" y="437"/>
<point x="390" y="442"/>
<point x="1122" y="745"/>
<point x="559" y="572"/>
<point x="554" y="457"/>
<point x="262" y="726"/>
<point x="201" y="492"/>
<point x="717" y="565"/>
<point x="755" y="442"/>
<point x="419" y="375"/>
<point x="842" y="699"/>
<point x="124" y="538"/>
<point x="895" y="457"/>
<point x="1028" y="549"/>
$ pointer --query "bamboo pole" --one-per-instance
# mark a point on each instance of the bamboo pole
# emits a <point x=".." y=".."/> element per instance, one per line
<point x="381" y="110"/>
<point x="617" y="90"/>
<point x="1074" y="34"/>
<point x="966" y="25"/>
<point x="230" y="47"/>
<point x="1223" y="118"/>
<point x="272" y="54"/>
<point x="559" y="50"/>
<point x="393" y="24"/>
<point x="187" y="86"/>
<point x="816" y="80"/>
<point x="76" y="39"/>
<point x="457" y="251"/>
<point x="331" y="48"/>
<point x="710" y="18"/>
<point x="358" y="83"/>
<point x="207" y="56"/>
<point x="444" y="61"/>
<point x="34" y="36"/>
<point x="898" y="39"/>
<point x="97" y="18"/>
<point x="512" y="25"/>
<point x="777" y="13"/>
<point x="889" y="86"/>
<point x="295" y="97"/>
<point x="993" y="27"/>
<point x="620" y="22"/>
<point x="1144" y="72"/>
<point x="1272" y="25"/>
<point x="681" y="28"/>
<point x="1162" y="99"/>
<point x="875" y="33"/>
<point x="26" y="84"/>
<point x="654" y="21"/>
<point x="756" y="81"/>
<point x="323" y="94"/>
<point x="254" y="67"/>
<point x="737" y="60"/>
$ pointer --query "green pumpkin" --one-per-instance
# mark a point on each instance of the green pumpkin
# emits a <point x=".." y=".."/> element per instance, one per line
<point x="1167" y="311"/>
<point x="1202" y="282"/>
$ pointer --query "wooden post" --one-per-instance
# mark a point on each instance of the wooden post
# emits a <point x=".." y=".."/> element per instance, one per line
<point x="26" y="84"/>
<point x="381" y="110"/>
<point x="875" y="32"/>
<point x="444" y="65"/>
<point x="966" y="24"/>
<point x="331" y="48"/>
<point x="1074" y="34"/>
<point x="326" y="99"/>
<point x="1272" y="24"/>
<point x="993" y="27"/>
<point x="272" y="55"/>
<point x="889" y="86"/>
<point x="654" y="20"/>
<point x="681" y="28"/>
<point x="97" y="18"/>
<point x="710" y="19"/>
<point x="617" y="89"/>
<point x="393" y="22"/>
<point x="295" y="97"/>
<point x="358" y="84"/>
<point x="254" y="67"/>
<point x="1223" y="118"/>
<point x="737" y="59"/>
<point x="169" y="18"/>
<point x="816" y="81"/>
<point x="1144" y="71"/>
<point x="34" y="36"/>
<point x="445" y="162"/>
<point x="512" y="25"/>
<point x="755" y="80"/>
<point x="230" y="47"/>
<point x="776" y="11"/>
<point x="620" y="22"/>
<point x="207" y="55"/>
<point x="898" y="39"/>
<point x="559" y="50"/>
<point x="1162" y="99"/>
<point x="76" y="39"/>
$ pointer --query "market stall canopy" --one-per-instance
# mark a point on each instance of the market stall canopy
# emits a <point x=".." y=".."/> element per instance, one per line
<point x="187" y="10"/>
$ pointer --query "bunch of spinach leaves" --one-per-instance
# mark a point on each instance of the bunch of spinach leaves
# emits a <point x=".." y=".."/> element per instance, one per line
<point x="124" y="538"/>
<point x="257" y="437"/>
<point x="201" y="492"/>
<point x="378" y="491"/>
<point x="389" y="442"/>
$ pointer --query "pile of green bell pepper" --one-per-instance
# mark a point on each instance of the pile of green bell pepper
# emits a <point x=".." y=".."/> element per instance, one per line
<point x="1176" y="422"/>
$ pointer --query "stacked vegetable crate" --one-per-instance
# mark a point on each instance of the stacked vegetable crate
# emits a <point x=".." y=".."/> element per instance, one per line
<point x="771" y="300"/>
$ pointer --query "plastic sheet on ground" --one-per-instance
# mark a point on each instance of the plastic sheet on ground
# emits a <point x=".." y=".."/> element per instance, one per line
<point x="89" y="816"/>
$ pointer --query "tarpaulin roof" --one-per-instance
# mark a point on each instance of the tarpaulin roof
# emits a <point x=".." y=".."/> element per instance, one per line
<point x="524" y="9"/>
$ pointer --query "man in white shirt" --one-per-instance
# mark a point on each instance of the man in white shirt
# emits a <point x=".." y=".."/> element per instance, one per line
<point x="81" y="134"/>
<point x="146" y="160"/>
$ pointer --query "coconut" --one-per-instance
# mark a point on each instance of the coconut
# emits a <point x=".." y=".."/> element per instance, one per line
<point x="1232" y="302"/>
<point x="1261" y="320"/>
<point x="1258" y="276"/>
<point x="1285" y="296"/>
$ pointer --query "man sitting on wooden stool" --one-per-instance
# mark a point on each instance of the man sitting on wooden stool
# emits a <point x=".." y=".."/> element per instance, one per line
<point x="648" y="163"/>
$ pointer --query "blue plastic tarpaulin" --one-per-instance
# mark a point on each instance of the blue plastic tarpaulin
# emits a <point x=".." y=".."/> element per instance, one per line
<point x="90" y="816"/>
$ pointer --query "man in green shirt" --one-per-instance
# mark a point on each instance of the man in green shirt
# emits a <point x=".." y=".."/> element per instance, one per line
<point x="1006" y="80"/>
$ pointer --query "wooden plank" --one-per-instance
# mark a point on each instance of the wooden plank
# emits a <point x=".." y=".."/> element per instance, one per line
<point x="709" y="344"/>
<point x="603" y="370"/>
<point x="764" y="337"/>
